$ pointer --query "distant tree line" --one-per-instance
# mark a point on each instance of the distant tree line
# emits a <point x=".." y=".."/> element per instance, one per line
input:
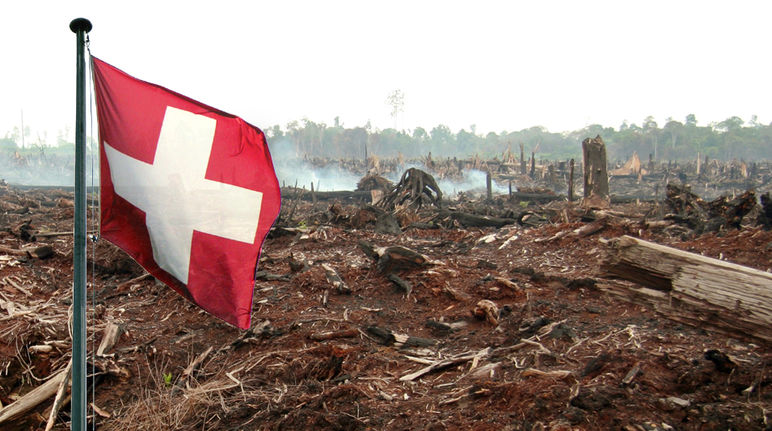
<point x="727" y="140"/>
<point x="730" y="139"/>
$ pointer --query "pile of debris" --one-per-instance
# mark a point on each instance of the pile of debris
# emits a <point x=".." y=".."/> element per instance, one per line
<point x="690" y="210"/>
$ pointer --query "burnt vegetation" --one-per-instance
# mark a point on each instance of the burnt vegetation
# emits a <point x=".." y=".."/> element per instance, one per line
<point x="401" y="305"/>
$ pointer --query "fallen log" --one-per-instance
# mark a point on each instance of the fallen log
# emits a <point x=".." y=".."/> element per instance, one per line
<point x="474" y="220"/>
<point x="687" y="287"/>
<point x="39" y="251"/>
<point x="60" y="397"/>
<point x="341" y="195"/>
<point x="33" y="398"/>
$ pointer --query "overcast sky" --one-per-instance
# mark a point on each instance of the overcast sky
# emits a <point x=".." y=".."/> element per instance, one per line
<point x="501" y="65"/>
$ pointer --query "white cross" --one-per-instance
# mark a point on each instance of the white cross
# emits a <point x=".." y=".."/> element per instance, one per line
<point x="175" y="196"/>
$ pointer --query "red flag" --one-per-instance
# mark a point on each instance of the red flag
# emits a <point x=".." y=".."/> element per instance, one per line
<point x="188" y="191"/>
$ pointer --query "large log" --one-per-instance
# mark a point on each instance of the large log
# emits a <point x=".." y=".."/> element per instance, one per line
<point x="705" y="292"/>
<point x="344" y="195"/>
<point x="33" y="398"/>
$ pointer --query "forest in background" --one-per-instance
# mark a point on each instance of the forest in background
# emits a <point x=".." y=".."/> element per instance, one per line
<point x="731" y="139"/>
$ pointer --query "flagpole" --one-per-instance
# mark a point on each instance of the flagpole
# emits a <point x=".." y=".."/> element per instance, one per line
<point x="79" y="26"/>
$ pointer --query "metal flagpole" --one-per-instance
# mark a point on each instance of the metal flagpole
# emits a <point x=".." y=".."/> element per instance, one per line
<point x="79" y="26"/>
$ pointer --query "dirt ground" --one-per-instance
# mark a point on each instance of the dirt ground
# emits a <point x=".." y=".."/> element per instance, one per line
<point x="557" y="353"/>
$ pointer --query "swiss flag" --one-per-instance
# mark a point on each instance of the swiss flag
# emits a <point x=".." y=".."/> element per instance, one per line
<point x="188" y="191"/>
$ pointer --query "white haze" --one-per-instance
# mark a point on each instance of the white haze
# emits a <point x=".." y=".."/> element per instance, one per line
<point x="473" y="182"/>
<point x="292" y="170"/>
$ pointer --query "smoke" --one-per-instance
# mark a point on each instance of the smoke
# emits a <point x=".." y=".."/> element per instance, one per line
<point x="292" y="170"/>
<point x="472" y="182"/>
<point x="42" y="170"/>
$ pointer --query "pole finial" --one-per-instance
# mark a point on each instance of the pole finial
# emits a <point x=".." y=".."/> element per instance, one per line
<point x="80" y="24"/>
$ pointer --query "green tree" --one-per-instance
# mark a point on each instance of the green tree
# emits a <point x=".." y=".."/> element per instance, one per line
<point x="441" y="140"/>
<point x="673" y="132"/>
<point x="652" y="132"/>
<point x="8" y="144"/>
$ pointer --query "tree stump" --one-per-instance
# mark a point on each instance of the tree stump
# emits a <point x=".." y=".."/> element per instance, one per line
<point x="596" y="193"/>
<point x="571" y="182"/>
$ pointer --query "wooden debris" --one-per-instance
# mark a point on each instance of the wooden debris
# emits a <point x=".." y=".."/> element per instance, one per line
<point x="33" y="398"/>
<point x="43" y="348"/>
<point x="507" y="283"/>
<point x="445" y="363"/>
<point x="721" y="360"/>
<point x="40" y="251"/>
<point x="288" y="193"/>
<point x="335" y="280"/>
<point x="323" y="336"/>
<point x="8" y="281"/>
<point x="110" y="337"/>
<point x="631" y="374"/>
<point x="690" y="210"/>
<point x="541" y="197"/>
<point x="393" y="258"/>
<point x="591" y="228"/>
<point x="374" y="182"/>
<point x="457" y="294"/>
<point x="267" y="276"/>
<point x="415" y="189"/>
<point x="134" y="280"/>
<point x="557" y="374"/>
<point x="400" y="283"/>
<point x="488" y="310"/>
<point x="100" y="412"/>
<point x="52" y="234"/>
<point x="382" y="221"/>
<point x="388" y="337"/>
<point x="766" y="210"/>
<point x="193" y="366"/>
<point x="486" y="371"/>
<point x="474" y="220"/>
<point x="693" y="288"/>
<point x="60" y="398"/>
<point x="571" y="182"/>
<point x="596" y="194"/>
<point x="297" y="265"/>
<point x="445" y="327"/>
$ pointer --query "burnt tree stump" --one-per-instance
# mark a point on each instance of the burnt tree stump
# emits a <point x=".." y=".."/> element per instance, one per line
<point x="571" y="182"/>
<point x="596" y="193"/>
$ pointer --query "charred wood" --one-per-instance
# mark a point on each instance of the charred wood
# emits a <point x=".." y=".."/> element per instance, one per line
<point x="394" y="258"/>
<point x="474" y="220"/>
<point x="596" y="192"/>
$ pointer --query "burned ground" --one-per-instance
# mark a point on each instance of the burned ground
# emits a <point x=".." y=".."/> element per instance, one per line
<point x="493" y="328"/>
